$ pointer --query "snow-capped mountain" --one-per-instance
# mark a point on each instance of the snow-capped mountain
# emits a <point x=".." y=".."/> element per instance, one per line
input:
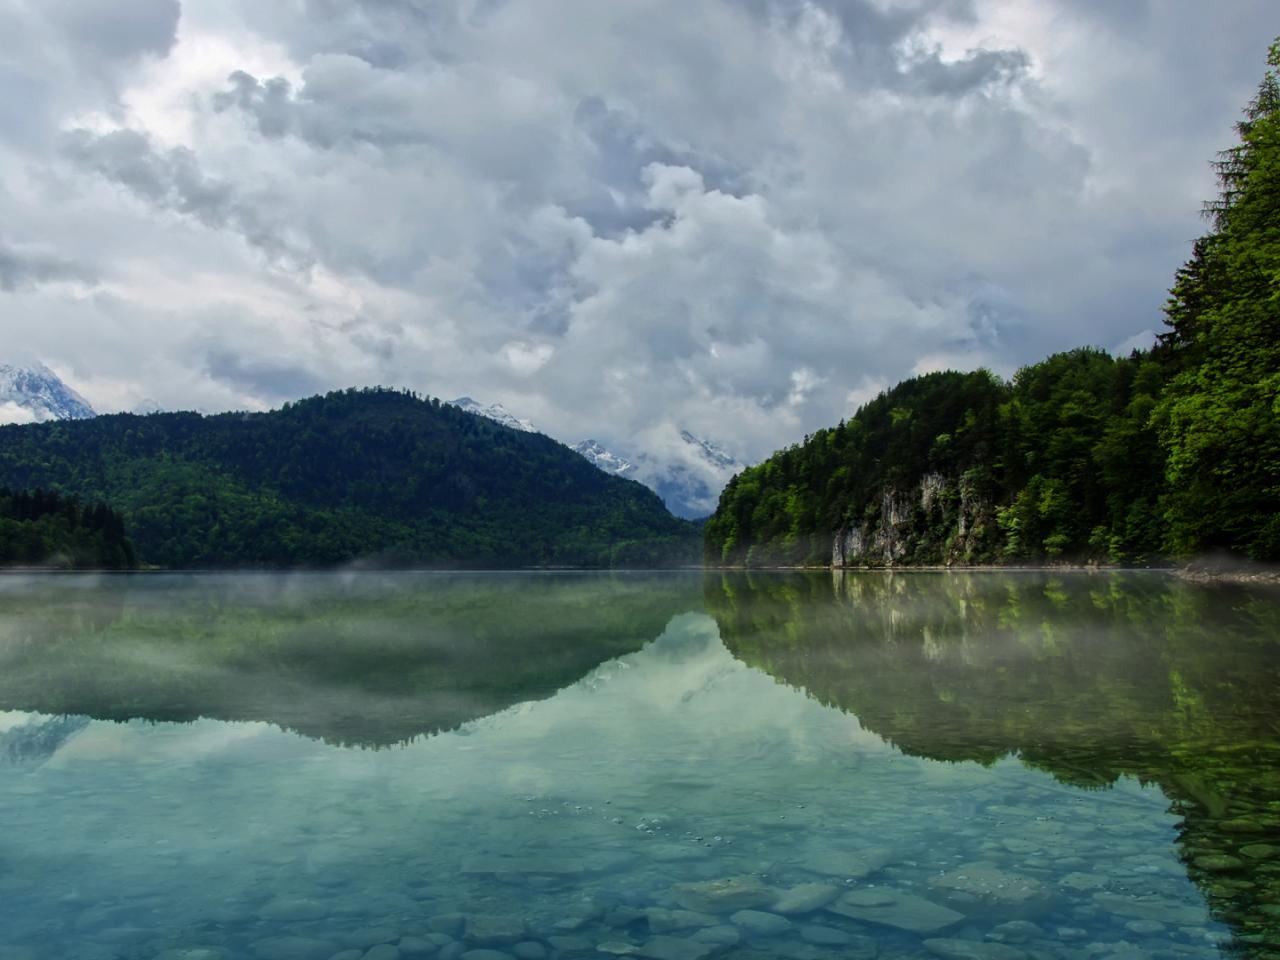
<point x="688" y="475"/>
<point x="495" y="411"/>
<point x="31" y="394"/>
<point x="686" y="471"/>
<point x="606" y="460"/>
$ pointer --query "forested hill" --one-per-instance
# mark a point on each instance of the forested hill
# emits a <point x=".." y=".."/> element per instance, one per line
<point x="1166" y="453"/>
<point x="372" y="474"/>
<point x="965" y="468"/>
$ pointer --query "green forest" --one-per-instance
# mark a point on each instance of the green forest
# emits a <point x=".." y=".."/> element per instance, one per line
<point x="41" y="528"/>
<point x="1167" y="453"/>
<point x="374" y="475"/>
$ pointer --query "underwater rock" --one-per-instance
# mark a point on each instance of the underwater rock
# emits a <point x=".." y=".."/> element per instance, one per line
<point x="894" y="908"/>
<point x="805" y="898"/>
<point x="993" y="886"/>
<point x="760" y="923"/>
<point x="617" y="948"/>
<point x="725" y="895"/>
<point x="722" y="934"/>
<point x="1015" y="931"/>
<point x="851" y="864"/>
<point x="824" y="936"/>
<point x="491" y="931"/>
<point x="369" y="937"/>
<point x="662" y="920"/>
<point x="1166" y="911"/>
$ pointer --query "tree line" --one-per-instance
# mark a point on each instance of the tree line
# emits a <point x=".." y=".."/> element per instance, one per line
<point x="41" y="528"/>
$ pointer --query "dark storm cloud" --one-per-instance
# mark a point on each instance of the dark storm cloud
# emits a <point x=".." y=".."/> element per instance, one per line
<point x="24" y="269"/>
<point x="277" y="381"/>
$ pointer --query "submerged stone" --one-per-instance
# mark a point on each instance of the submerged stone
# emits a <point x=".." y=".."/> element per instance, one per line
<point x="1083" y="881"/>
<point x="852" y="864"/>
<point x="1166" y="911"/>
<point x="824" y="936"/>
<point x="894" y="908"/>
<point x="725" y="895"/>
<point x="662" y="920"/>
<point x="722" y="934"/>
<point x="805" y="898"/>
<point x="1015" y="931"/>
<point x="451" y="923"/>
<point x="383" y="951"/>
<point x="760" y="923"/>
<point x="618" y="948"/>
<point x="995" y="886"/>
<point x="369" y="937"/>
<point x="495" y="930"/>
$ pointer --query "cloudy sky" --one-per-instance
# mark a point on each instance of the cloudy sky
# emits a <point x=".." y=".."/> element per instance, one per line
<point x="622" y="218"/>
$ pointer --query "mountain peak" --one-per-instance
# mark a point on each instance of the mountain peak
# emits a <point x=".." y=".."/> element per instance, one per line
<point x="494" y="411"/>
<point x="34" y="393"/>
<point x="605" y="459"/>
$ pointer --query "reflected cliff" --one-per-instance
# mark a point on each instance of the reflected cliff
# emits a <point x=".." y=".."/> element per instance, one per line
<point x="369" y="660"/>
<point x="1089" y="678"/>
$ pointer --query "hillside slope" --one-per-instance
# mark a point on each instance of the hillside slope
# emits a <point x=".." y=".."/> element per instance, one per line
<point x="965" y="468"/>
<point x="356" y="475"/>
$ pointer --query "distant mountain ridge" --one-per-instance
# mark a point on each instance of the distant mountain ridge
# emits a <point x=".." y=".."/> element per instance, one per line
<point x="373" y="475"/>
<point x="34" y="393"/>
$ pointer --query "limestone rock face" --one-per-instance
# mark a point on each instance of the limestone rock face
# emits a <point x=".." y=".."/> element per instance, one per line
<point x="940" y="520"/>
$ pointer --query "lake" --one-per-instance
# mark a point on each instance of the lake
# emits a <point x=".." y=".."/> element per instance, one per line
<point x="972" y="766"/>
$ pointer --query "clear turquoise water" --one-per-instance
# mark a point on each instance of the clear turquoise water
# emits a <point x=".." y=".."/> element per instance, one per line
<point x="990" y="766"/>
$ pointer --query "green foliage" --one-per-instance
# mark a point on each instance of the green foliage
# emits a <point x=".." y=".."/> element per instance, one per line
<point x="1220" y="418"/>
<point x="43" y="529"/>
<point x="376" y="475"/>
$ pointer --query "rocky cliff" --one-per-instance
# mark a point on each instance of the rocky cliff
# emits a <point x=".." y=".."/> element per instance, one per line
<point x="940" y="520"/>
